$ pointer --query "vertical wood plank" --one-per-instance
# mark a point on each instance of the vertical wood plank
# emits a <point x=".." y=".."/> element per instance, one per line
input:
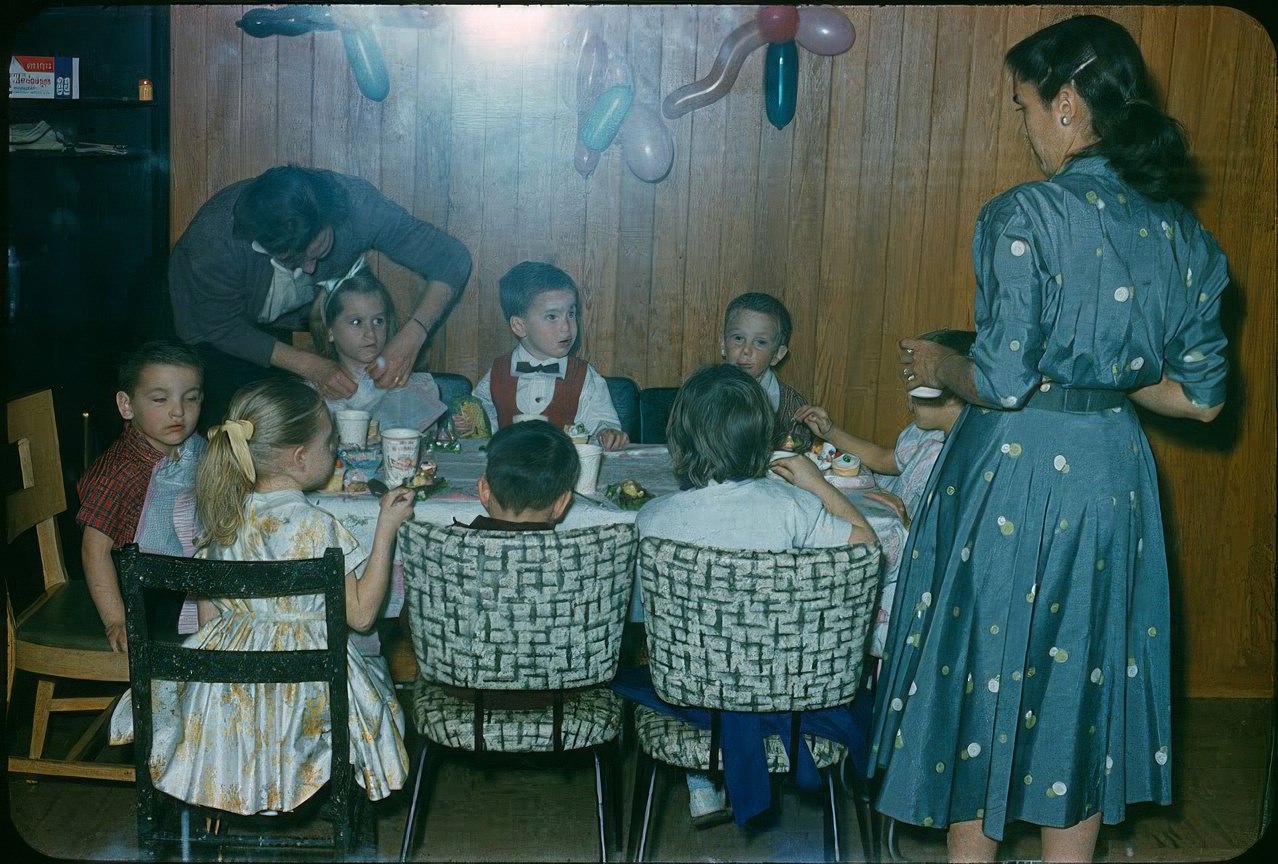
<point x="188" y="131"/>
<point x="431" y="130"/>
<point x="259" y="96"/>
<point x="225" y="164"/>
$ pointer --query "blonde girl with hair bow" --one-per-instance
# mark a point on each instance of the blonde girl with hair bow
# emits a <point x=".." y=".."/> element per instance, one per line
<point x="276" y="444"/>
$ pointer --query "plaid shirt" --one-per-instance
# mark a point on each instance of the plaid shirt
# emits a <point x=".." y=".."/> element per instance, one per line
<point x="114" y="488"/>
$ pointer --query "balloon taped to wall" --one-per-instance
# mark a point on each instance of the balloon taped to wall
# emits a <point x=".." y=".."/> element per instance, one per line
<point x="356" y="22"/>
<point x="823" y="30"/>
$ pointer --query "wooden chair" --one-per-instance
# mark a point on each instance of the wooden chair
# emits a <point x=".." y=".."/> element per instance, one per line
<point x="517" y="636"/>
<point x="625" y="398"/>
<point x="144" y="577"/>
<point x="59" y="636"/>
<point x="654" y="411"/>
<point x="752" y="631"/>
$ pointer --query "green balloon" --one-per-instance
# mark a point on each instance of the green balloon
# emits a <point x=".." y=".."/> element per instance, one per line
<point x="604" y="118"/>
<point x="781" y="82"/>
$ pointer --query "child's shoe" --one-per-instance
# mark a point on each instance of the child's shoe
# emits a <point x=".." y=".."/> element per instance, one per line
<point x="707" y="803"/>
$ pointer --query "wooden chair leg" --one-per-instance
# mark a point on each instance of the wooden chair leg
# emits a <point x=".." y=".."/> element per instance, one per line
<point x="40" y="717"/>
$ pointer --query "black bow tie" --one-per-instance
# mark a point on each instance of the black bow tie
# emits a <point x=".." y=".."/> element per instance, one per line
<point x="549" y="368"/>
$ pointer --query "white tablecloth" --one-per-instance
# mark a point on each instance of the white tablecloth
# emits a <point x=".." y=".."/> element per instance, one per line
<point x="646" y="463"/>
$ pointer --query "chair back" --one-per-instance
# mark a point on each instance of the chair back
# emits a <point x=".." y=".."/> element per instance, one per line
<point x="743" y="630"/>
<point x="145" y="576"/>
<point x="33" y="429"/>
<point x="451" y="385"/>
<point x="654" y="411"/>
<point x="517" y="610"/>
<point x="625" y="398"/>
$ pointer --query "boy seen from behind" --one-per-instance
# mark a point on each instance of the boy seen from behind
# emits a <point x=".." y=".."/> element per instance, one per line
<point x="527" y="484"/>
<point x="141" y="489"/>
<point x="540" y="302"/>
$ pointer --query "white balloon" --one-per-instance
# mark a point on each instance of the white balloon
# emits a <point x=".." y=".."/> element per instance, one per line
<point x="646" y="144"/>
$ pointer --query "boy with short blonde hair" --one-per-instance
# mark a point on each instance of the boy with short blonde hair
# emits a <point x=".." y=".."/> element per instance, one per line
<point x="141" y="489"/>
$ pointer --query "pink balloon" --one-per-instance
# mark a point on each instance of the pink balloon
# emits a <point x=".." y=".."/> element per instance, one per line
<point x="778" y="23"/>
<point x="824" y="30"/>
<point x="585" y="160"/>
<point x="732" y="53"/>
<point x="646" y="144"/>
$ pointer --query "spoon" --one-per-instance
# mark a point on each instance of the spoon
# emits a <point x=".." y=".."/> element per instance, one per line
<point x="377" y="487"/>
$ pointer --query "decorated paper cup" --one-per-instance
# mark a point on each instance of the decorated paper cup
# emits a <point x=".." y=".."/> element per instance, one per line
<point x="399" y="454"/>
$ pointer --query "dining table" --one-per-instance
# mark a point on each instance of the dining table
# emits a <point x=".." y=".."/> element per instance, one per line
<point x="458" y="467"/>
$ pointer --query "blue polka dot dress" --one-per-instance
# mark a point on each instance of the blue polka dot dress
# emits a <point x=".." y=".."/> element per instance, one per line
<point x="1027" y="668"/>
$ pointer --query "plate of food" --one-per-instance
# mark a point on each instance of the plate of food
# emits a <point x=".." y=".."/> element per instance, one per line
<point x="859" y="481"/>
<point x="628" y="494"/>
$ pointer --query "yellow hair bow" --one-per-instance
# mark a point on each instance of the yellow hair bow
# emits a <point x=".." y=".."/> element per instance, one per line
<point x="238" y="433"/>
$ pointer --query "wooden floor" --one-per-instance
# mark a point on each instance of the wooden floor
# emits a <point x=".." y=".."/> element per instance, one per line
<point x="522" y="814"/>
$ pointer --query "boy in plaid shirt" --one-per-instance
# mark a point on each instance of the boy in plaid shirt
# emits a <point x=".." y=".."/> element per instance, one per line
<point x="142" y="488"/>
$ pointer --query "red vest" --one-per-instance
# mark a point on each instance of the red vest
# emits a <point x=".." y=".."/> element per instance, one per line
<point x="562" y="409"/>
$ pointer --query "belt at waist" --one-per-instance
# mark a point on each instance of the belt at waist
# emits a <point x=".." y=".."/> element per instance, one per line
<point x="1075" y="400"/>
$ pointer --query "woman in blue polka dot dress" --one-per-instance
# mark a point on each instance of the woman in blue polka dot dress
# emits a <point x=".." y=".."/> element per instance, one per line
<point x="1027" y="668"/>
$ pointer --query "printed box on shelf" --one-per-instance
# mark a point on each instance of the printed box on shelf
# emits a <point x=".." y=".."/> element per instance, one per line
<point x="32" y="77"/>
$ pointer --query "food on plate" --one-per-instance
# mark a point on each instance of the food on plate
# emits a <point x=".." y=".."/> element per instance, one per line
<point x="577" y="432"/>
<point x="471" y="408"/>
<point x="423" y="476"/>
<point x="628" y="494"/>
<point x="846" y="465"/>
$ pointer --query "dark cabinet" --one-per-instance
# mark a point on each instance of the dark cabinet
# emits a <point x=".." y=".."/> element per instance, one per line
<point x="88" y="226"/>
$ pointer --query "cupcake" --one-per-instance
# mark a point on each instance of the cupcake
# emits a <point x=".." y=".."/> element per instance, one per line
<point x="577" y="432"/>
<point x="846" y="465"/>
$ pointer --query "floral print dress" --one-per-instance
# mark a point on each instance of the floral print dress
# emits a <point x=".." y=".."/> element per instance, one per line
<point x="265" y="747"/>
<point x="1027" y="669"/>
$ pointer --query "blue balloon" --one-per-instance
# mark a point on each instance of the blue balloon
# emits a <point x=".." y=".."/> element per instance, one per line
<point x="781" y="82"/>
<point x="288" y="21"/>
<point x="365" y="57"/>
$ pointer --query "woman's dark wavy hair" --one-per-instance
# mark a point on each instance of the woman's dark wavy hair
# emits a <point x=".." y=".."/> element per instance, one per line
<point x="1146" y="147"/>
<point x="720" y="427"/>
<point x="286" y="206"/>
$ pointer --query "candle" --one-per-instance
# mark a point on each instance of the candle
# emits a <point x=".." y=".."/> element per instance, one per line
<point x="85" y="415"/>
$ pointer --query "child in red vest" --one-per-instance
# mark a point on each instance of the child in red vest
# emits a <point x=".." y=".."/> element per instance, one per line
<point x="538" y="377"/>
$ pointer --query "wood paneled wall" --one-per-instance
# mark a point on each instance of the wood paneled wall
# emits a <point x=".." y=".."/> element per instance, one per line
<point x="858" y="214"/>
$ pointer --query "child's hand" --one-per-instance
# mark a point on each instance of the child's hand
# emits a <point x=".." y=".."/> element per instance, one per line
<point x="888" y="499"/>
<point x="396" y="506"/>
<point x="612" y="439"/>
<point x="815" y="418"/>
<point x="799" y="471"/>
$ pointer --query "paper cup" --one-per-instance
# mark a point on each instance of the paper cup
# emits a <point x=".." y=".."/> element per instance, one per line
<point x="520" y="418"/>
<point x="352" y="427"/>
<point x="591" y="456"/>
<point x="399" y="454"/>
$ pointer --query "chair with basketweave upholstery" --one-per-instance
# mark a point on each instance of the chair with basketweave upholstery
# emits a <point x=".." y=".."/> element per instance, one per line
<point x="751" y="631"/>
<point x="517" y="637"/>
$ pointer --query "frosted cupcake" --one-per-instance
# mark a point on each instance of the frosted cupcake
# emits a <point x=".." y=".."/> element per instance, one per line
<point x="846" y="465"/>
<point x="577" y="432"/>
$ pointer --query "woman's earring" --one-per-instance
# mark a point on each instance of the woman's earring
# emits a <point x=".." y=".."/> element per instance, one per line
<point x="1064" y="121"/>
